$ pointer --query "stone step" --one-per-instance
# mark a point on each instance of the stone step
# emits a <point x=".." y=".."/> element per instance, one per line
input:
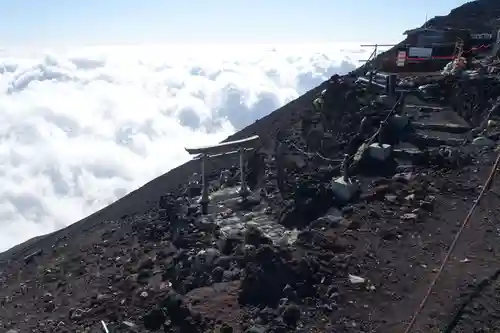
<point x="225" y="210"/>
<point x="441" y="127"/>
<point x="426" y="108"/>
<point x="435" y="137"/>
<point x="435" y="141"/>
<point x="407" y="153"/>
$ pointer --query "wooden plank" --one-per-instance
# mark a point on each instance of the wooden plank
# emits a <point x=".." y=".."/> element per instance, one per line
<point x="197" y="157"/>
<point x="381" y="45"/>
<point x="249" y="142"/>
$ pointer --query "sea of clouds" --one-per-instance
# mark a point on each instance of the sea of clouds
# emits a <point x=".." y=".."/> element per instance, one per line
<point x="81" y="128"/>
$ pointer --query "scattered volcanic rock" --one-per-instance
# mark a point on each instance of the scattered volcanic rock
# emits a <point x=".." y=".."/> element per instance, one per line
<point x="356" y="197"/>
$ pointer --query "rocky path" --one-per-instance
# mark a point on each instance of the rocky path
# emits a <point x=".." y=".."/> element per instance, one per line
<point x="296" y="256"/>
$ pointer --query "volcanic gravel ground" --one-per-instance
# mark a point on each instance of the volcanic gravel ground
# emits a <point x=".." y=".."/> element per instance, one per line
<point x="293" y="257"/>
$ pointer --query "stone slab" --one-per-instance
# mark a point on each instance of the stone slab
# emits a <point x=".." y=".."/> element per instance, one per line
<point x="380" y="152"/>
<point x="343" y="190"/>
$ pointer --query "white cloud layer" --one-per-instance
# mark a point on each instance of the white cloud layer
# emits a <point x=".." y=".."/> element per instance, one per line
<point x="82" y="128"/>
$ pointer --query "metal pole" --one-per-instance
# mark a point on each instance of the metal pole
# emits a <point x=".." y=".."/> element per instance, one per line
<point x="370" y="82"/>
<point x="345" y="168"/>
<point x="204" y="199"/>
<point x="244" y="191"/>
<point x="401" y="103"/>
<point x="104" y="326"/>
<point x="390" y="84"/>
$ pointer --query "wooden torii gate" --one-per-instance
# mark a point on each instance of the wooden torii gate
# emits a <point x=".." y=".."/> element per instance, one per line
<point x="225" y="148"/>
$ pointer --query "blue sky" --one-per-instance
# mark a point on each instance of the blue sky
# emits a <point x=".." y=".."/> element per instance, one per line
<point x="91" y="22"/>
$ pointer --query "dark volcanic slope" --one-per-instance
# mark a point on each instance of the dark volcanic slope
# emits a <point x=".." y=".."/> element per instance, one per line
<point x="484" y="12"/>
<point x="476" y="15"/>
<point x="147" y="196"/>
<point x="297" y="259"/>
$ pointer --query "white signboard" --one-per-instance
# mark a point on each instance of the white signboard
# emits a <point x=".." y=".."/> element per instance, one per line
<point x="420" y="52"/>
<point x="481" y="36"/>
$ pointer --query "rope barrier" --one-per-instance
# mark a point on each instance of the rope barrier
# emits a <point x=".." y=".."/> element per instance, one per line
<point x="485" y="188"/>
<point x="311" y="155"/>
<point x="465" y="222"/>
<point x="368" y="141"/>
<point x="463" y="225"/>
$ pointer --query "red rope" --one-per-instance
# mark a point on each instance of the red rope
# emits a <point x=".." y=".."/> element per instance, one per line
<point x="453" y="244"/>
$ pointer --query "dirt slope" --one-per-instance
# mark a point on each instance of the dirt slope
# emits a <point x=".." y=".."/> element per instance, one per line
<point x="138" y="265"/>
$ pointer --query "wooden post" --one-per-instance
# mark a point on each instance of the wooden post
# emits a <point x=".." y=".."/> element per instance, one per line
<point x="244" y="192"/>
<point x="204" y="198"/>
